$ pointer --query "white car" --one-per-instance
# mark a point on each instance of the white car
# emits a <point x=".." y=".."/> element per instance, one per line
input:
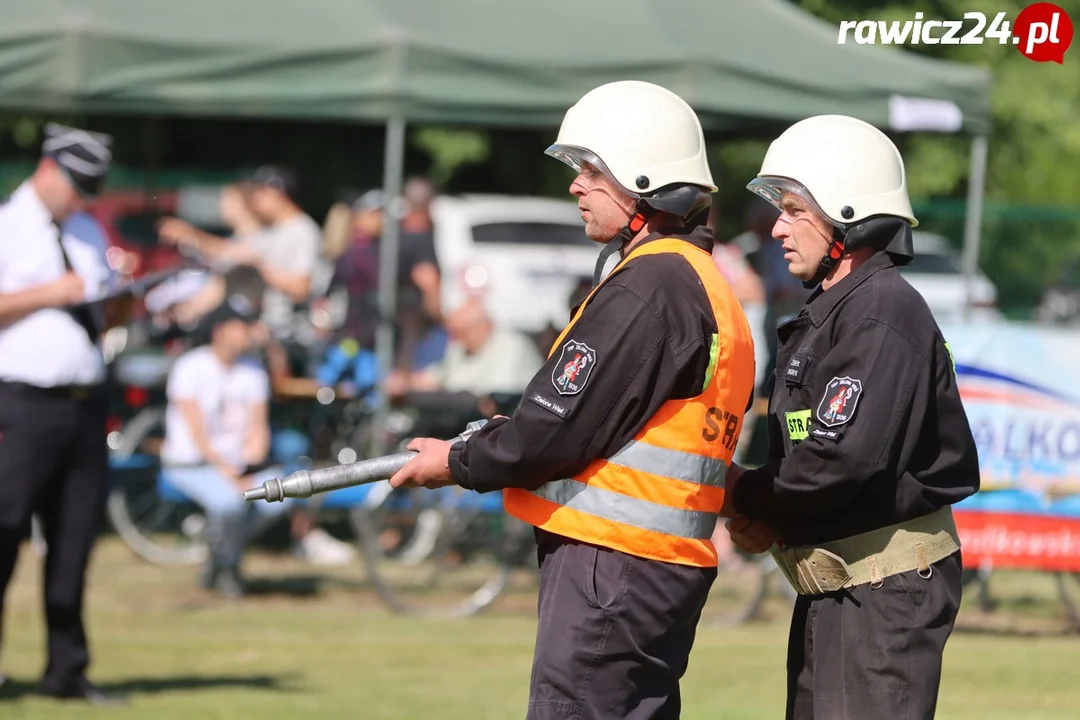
<point x="937" y="272"/>
<point x="526" y="255"/>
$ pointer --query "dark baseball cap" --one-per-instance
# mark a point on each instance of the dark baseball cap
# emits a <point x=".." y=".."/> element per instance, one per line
<point x="278" y="177"/>
<point x="234" y="307"/>
<point x="84" y="156"/>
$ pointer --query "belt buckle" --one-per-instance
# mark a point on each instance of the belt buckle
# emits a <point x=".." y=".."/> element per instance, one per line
<point x="79" y="392"/>
<point x="820" y="571"/>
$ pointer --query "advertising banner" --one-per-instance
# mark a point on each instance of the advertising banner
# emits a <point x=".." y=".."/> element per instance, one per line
<point x="1022" y="400"/>
<point x="1019" y="540"/>
<point x="1022" y="397"/>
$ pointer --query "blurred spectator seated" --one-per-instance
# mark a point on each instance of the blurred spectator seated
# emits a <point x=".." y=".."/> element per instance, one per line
<point x="217" y="441"/>
<point x="482" y="359"/>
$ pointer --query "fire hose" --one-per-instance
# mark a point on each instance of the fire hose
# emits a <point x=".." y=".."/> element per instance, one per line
<point x="305" y="483"/>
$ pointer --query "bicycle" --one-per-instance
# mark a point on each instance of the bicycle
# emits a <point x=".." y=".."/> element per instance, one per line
<point x="446" y="553"/>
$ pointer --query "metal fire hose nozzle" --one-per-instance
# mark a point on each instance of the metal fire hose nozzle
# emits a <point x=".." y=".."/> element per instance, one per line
<point x="306" y="483"/>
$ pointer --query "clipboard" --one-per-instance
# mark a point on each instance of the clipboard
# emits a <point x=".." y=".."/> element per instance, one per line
<point x="137" y="288"/>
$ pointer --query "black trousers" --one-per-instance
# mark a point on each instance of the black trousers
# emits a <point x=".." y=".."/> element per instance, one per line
<point x="873" y="652"/>
<point x="54" y="462"/>
<point x="614" y="633"/>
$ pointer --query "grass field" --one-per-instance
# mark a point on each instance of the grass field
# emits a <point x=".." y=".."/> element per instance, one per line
<point x="322" y="647"/>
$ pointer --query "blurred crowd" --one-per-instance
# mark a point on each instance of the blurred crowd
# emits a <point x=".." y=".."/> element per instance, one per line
<point x="283" y="307"/>
<point x="315" y="290"/>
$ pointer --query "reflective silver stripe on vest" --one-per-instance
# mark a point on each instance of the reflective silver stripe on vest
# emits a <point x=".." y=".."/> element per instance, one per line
<point x="675" y="464"/>
<point x="629" y="510"/>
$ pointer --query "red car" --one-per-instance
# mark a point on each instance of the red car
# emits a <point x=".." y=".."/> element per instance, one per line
<point x="130" y="217"/>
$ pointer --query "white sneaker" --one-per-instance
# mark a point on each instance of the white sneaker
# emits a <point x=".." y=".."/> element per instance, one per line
<point x="319" y="548"/>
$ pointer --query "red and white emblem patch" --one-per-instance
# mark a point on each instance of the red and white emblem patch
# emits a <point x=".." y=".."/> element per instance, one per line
<point x="839" y="401"/>
<point x="573" y="369"/>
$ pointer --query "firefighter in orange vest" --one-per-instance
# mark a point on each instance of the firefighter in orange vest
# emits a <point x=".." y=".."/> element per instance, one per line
<point x="619" y="449"/>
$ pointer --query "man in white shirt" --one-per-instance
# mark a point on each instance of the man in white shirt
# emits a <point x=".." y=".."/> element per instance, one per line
<point x="217" y="438"/>
<point x="53" y="456"/>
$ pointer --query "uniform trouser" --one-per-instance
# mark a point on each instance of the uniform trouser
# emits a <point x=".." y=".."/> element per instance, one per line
<point x="54" y="462"/>
<point x="614" y="633"/>
<point x="873" y="652"/>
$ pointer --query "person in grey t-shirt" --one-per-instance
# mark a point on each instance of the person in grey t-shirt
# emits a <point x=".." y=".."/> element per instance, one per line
<point x="285" y="250"/>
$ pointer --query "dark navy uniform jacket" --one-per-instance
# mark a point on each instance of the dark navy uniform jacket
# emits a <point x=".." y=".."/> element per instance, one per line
<point x="866" y="428"/>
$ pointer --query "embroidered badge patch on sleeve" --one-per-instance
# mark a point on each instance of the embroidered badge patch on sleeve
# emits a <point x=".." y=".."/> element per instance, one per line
<point x="837" y="406"/>
<point x="573" y="369"/>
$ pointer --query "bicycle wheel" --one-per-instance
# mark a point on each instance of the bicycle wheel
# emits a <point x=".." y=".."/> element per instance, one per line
<point x="444" y="554"/>
<point x="738" y="592"/>
<point x="159" y="526"/>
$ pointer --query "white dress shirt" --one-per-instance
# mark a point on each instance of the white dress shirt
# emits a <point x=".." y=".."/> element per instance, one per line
<point x="48" y="348"/>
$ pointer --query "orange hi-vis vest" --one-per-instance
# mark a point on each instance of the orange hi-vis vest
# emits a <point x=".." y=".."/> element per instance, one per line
<point x="658" y="496"/>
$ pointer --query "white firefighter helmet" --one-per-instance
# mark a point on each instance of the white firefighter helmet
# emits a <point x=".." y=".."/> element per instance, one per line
<point x="846" y="167"/>
<point x="643" y="136"/>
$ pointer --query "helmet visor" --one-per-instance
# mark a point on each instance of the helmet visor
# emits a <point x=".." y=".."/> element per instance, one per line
<point x="577" y="157"/>
<point x="774" y="188"/>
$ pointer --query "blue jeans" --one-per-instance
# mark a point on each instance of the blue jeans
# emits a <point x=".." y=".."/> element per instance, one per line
<point x="230" y="520"/>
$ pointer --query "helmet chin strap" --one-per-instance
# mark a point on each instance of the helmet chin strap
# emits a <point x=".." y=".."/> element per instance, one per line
<point x="613" y="246"/>
<point x="622" y="238"/>
<point x="828" y="262"/>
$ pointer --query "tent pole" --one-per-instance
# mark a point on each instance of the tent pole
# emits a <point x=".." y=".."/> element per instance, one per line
<point x="973" y="219"/>
<point x="393" y="169"/>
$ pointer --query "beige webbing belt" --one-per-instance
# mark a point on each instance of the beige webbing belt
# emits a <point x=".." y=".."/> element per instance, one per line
<point x="870" y="557"/>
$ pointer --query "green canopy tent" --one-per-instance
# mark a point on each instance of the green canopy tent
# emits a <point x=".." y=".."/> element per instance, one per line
<point x="739" y="63"/>
<point x="746" y="67"/>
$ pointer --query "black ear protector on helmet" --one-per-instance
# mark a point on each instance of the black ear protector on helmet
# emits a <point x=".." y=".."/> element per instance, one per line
<point x="688" y="202"/>
<point x="880" y="232"/>
<point x="682" y="201"/>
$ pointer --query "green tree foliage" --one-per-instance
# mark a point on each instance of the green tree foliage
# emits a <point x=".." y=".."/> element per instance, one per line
<point x="1035" y="141"/>
<point x="451" y="149"/>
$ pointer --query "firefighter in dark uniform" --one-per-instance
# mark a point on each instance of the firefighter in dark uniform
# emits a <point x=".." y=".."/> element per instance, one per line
<point x="619" y="449"/>
<point x="53" y="456"/>
<point x="869" y="445"/>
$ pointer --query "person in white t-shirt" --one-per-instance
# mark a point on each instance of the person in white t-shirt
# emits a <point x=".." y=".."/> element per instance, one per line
<point x="217" y="439"/>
